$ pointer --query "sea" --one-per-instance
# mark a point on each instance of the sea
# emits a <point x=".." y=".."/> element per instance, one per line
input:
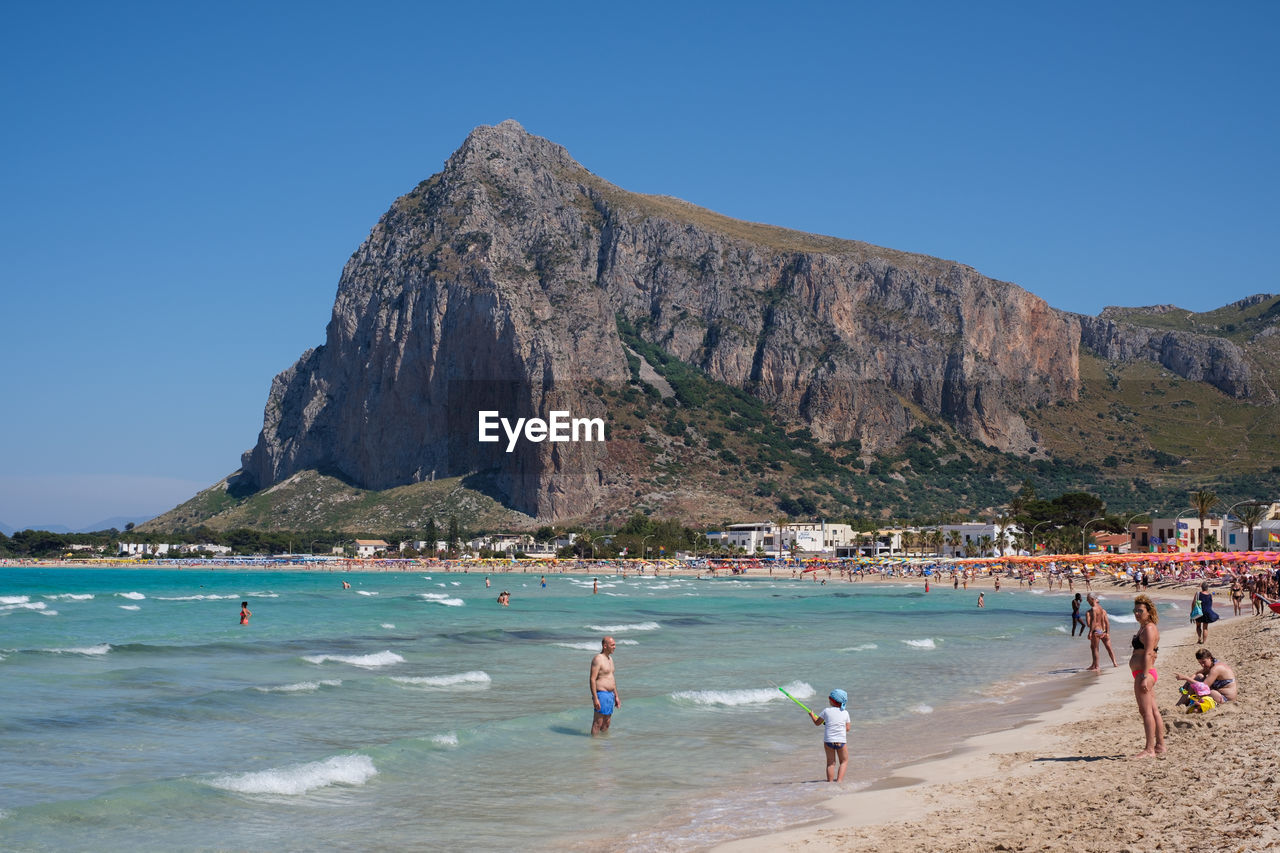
<point x="413" y="712"/>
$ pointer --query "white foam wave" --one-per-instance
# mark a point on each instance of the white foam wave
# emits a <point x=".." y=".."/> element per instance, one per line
<point x="196" y="598"/>
<point x="387" y="625"/>
<point x="861" y="647"/>
<point x="130" y="607"/>
<point x="449" y="739"/>
<point x="364" y="592"/>
<point x="926" y="643"/>
<point x="455" y="583"/>
<point x="1062" y="628"/>
<point x="921" y="709"/>
<point x="614" y="629"/>
<point x="69" y="596"/>
<point x="100" y="649"/>
<point x="1123" y="617"/>
<point x="367" y="661"/>
<point x="301" y="686"/>
<point x="594" y="646"/>
<point x="473" y="678"/>
<point x="301" y="778"/>
<point x="48" y="613"/>
<point x="617" y="594"/>
<point x="441" y="598"/>
<point x="23" y="605"/>
<point x="135" y="596"/>
<point x="747" y="696"/>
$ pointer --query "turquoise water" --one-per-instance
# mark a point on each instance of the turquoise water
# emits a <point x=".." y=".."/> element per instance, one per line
<point x="412" y="712"/>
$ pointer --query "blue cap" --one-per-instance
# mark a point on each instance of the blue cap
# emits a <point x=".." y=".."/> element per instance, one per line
<point x="840" y="696"/>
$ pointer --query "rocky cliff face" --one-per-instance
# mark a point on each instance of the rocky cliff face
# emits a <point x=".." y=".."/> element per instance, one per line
<point x="1202" y="358"/>
<point x="495" y="284"/>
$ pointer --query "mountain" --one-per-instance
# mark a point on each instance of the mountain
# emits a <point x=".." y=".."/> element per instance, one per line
<point x="516" y="282"/>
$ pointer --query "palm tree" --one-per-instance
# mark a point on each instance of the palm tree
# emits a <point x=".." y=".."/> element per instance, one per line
<point x="1203" y="502"/>
<point x="1250" y="515"/>
<point x="954" y="540"/>
<point x="782" y="523"/>
<point x="1003" y="523"/>
<point x="935" y="540"/>
<point x="984" y="545"/>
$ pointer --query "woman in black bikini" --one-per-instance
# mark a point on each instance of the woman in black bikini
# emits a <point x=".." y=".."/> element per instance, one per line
<point x="1142" y="663"/>
<point x="1237" y="593"/>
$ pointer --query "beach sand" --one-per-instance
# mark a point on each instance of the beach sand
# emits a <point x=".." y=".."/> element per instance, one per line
<point x="1062" y="781"/>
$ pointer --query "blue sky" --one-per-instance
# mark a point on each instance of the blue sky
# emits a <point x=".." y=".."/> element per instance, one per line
<point x="180" y="186"/>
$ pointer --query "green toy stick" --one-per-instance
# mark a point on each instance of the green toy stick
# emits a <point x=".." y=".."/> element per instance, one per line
<point x="794" y="699"/>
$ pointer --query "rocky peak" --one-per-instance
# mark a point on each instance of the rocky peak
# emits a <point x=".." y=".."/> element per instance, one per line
<point x="496" y="284"/>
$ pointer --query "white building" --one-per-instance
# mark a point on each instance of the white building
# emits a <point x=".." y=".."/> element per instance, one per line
<point x="369" y="547"/>
<point x="971" y="535"/>
<point x="807" y="537"/>
<point x="137" y="549"/>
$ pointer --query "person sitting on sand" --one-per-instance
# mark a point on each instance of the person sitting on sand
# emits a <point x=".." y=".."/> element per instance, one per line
<point x="1220" y="678"/>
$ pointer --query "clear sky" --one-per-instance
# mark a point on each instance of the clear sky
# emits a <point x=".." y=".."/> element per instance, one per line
<point x="181" y="184"/>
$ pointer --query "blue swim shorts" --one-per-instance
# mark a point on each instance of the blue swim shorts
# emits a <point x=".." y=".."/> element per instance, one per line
<point x="606" y="702"/>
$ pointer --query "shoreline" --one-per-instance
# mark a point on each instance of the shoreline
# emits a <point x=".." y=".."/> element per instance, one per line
<point x="1002" y="782"/>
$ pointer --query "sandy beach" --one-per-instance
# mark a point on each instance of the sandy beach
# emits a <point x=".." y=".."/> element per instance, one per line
<point x="1063" y="780"/>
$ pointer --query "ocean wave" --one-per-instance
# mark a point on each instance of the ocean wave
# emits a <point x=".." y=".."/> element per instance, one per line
<point x="1062" y="628"/>
<point x="301" y="778"/>
<point x="387" y="625"/>
<point x="613" y="629"/>
<point x="14" y="599"/>
<point x="594" y="646"/>
<point x="135" y="596"/>
<point x="1123" y="617"/>
<point x="130" y="607"/>
<point x="23" y="605"/>
<point x="301" y="686"/>
<point x="474" y="678"/>
<point x="68" y="596"/>
<point x="441" y="598"/>
<point x="926" y="643"/>
<point x="922" y="708"/>
<point x="209" y="597"/>
<point x="448" y="739"/>
<point x="100" y="649"/>
<point x="364" y="592"/>
<point x="371" y="661"/>
<point x="746" y="696"/>
<point x="862" y="647"/>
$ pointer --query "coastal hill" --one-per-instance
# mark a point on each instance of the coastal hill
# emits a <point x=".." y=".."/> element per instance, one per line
<point x="740" y="369"/>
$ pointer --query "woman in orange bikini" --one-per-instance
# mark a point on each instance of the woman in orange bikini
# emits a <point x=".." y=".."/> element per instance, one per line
<point x="1142" y="663"/>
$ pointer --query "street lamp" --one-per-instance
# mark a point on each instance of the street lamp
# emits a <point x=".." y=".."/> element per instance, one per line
<point x="1084" y="532"/>
<point x="593" y="543"/>
<point x="1226" y="516"/>
<point x="1178" y="520"/>
<point x="1130" y="521"/>
<point x="644" y="549"/>
<point x="1032" y="535"/>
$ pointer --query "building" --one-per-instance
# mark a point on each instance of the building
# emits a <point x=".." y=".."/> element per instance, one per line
<point x="138" y="549"/>
<point x="771" y="538"/>
<point x="370" y="547"/>
<point x="1181" y="533"/>
<point x="965" y="540"/>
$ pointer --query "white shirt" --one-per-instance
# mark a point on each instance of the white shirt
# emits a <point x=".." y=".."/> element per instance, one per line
<point x="837" y="721"/>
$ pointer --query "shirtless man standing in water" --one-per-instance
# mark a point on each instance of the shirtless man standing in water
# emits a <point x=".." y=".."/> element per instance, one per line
<point x="604" y="690"/>
<point x="1099" y="631"/>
